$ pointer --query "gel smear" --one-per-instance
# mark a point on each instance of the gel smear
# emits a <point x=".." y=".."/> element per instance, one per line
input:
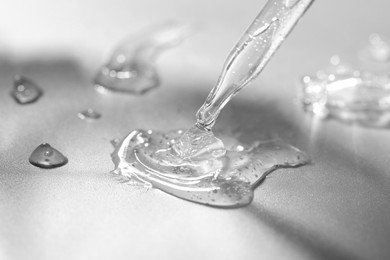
<point x="131" y="68"/>
<point x="205" y="171"/>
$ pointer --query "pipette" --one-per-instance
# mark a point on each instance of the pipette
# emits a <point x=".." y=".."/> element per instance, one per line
<point x="250" y="55"/>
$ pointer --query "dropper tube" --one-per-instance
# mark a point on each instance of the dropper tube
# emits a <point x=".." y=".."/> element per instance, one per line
<point x="250" y="55"/>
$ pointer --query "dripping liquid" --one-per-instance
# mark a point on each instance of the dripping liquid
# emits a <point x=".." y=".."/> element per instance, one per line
<point x="251" y="54"/>
<point x="194" y="164"/>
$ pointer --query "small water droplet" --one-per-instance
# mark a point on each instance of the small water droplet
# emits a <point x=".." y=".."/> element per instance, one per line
<point x="45" y="156"/>
<point x="89" y="114"/>
<point x="25" y="91"/>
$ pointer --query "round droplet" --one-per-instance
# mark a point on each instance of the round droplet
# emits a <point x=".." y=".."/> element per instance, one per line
<point x="25" y="91"/>
<point x="45" y="156"/>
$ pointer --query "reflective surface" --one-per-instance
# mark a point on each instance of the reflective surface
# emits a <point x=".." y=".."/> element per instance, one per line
<point x="336" y="208"/>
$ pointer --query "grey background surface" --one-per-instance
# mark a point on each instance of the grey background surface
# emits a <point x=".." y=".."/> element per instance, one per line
<point x="336" y="208"/>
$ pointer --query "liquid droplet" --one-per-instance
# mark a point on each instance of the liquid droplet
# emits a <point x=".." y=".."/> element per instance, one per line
<point x="45" y="156"/>
<point x="131" y="69"/>
<point x="25" y="91"/>
<point x="226" y="180"/>
<point x="89" y="114"/>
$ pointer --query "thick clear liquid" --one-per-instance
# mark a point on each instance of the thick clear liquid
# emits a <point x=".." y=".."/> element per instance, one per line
<point x="131" y="68"/>
<point x="201" y="170"/>
<point x="195" y="165"/>
<point x="250" y="55"/>
<point x="351" y="96"/>
<point x="45" y="156"/>
<point x="25" y="91"/>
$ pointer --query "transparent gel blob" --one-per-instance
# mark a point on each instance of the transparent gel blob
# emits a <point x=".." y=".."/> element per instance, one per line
<point x="196" y="166"/>
<point x="45" y="156"/>
<point x="25" y="91"/>
<point x="89" y="114"/>
<point x="349" y="95"/>
<point x="131" y="68"/>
